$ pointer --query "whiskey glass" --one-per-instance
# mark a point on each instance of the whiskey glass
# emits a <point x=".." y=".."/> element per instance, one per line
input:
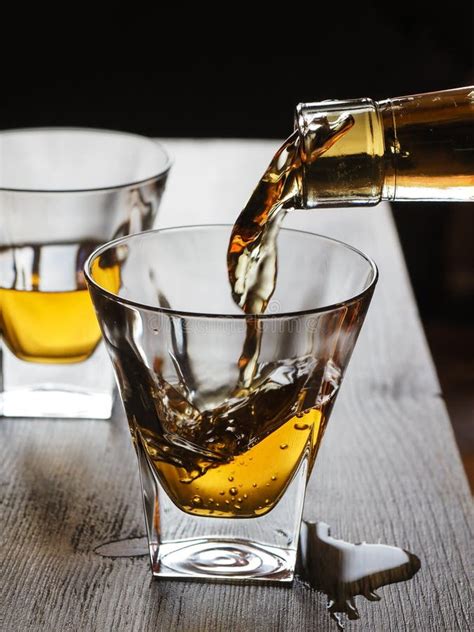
<point x="223" y="465"/>
<point x="62" y="193"/>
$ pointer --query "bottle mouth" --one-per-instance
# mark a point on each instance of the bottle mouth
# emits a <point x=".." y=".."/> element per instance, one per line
<point x="300" y="126"/>
<point x="341" y="144"/>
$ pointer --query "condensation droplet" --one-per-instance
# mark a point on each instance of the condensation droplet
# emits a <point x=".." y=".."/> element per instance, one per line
<point x="267" y="484"/>
<point x="222" y="492"/>
<point x="274" y="478"/>
<point x="196" y="500"/>
<point x="239" y="499"/>
<point x="267" y="501"/>
<point x="245" y="496"/>
<point x="210" y="501"/>
<point x="233" y="491"/>
<point x="237" y="507"/>
<point x="231" y="478"/>
<point x="283" y="446"/>
<point x="254" y="484"/>
<point x="227" y="502"/>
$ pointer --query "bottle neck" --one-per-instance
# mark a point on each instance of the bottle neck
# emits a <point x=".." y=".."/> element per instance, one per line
<point x="417" y="147"/>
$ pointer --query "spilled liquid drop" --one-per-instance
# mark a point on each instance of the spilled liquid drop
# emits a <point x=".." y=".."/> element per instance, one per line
<point x="343" y="570"/>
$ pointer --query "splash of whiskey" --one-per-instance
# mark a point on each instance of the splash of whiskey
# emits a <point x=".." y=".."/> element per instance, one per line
<point x="252" y="252"/>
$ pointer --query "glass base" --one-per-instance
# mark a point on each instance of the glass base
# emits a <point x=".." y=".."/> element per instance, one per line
<point x="53" y="402"/>
<point x="81" y="390"/>
<point x="219" y="559"/>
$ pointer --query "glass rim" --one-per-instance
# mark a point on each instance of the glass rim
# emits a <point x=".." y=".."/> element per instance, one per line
<point x="217" y="316"/>
<point x="99" y="130"/>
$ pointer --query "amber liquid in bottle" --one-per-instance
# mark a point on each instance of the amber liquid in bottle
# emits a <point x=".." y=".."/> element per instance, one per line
<point x="419" y="147"/>
<point x="430" y="140"/>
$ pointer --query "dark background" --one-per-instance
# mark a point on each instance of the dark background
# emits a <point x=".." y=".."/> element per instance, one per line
<point x="369" y="50"/>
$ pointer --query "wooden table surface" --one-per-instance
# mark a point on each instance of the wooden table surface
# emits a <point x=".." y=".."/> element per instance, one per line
<point x="388" y="470"/>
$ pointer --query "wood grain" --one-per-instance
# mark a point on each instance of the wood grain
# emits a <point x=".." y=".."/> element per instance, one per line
<point x="388" y="470"/>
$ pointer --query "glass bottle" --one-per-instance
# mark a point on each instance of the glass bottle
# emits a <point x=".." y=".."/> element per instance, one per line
<point x="419" y="147"/>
